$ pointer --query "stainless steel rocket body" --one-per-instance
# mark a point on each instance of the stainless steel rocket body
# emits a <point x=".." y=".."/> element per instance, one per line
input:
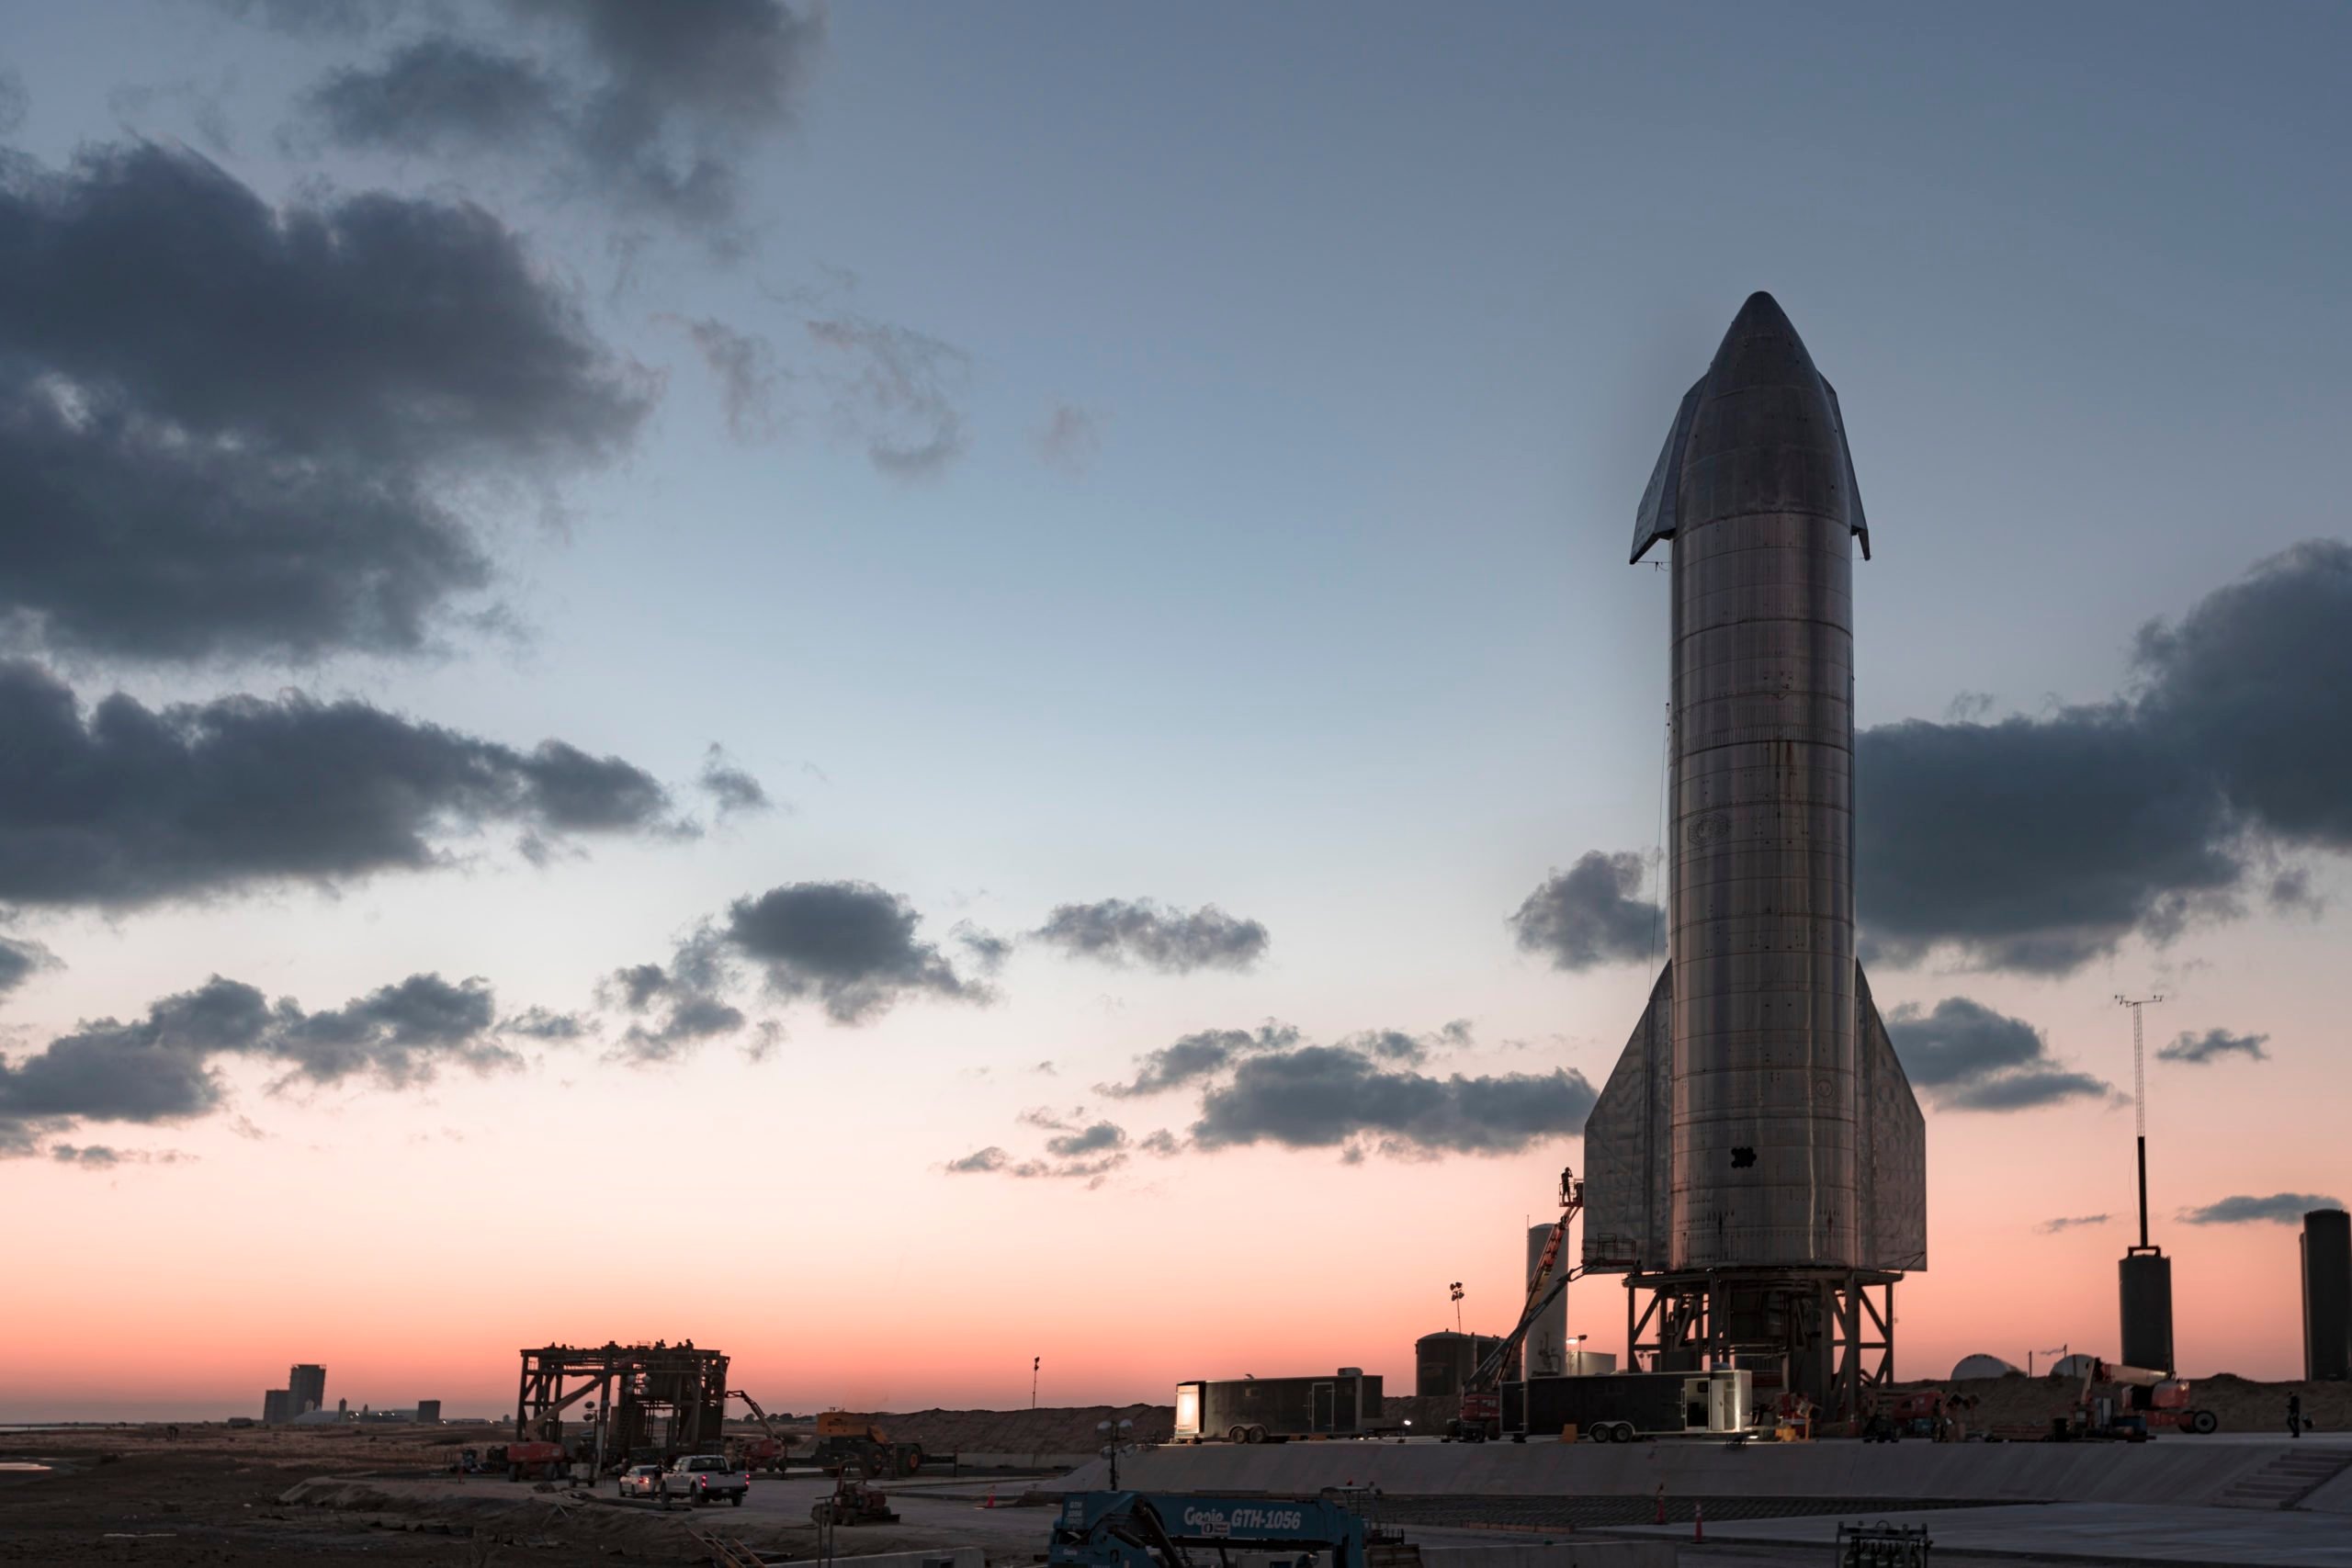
<point x="1757" y="1159"/>
<point x="1761" y="864"/>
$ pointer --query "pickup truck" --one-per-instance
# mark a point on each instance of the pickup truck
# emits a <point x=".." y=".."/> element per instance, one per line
<point x="704" y="1478"/>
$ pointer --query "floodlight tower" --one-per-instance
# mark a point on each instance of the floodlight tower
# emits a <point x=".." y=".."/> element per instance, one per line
<point x="2144" y="1277"/>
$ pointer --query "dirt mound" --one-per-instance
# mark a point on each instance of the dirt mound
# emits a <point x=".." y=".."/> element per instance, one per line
<point x="2243" y="1404"/>
<point x="1061" y="1430"/>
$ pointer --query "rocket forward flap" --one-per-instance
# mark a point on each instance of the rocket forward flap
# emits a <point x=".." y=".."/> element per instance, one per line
<point x="1893" y="1149"/>
<point x="1856" y="518"/>
<point x="1656" y="516"/>
<point x="1628" y="1170"/>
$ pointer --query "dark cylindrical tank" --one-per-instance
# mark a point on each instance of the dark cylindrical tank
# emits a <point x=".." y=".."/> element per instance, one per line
<point x="2327" y="1295"/>
<point x="2146" y="1280"/>
<point x="1443" y="1362"/>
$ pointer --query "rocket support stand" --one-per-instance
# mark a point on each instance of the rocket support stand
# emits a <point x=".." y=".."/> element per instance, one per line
<point x="1828" y="1334"/>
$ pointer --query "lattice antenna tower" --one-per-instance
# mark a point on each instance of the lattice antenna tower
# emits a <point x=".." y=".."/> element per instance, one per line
<point x="2140" y="1100"/>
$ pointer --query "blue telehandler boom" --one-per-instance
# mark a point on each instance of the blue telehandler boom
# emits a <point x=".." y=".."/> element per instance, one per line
<point x="1152" y="1529"/>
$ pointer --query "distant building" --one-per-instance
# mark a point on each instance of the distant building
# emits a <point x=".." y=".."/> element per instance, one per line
<point x="428" y="1412"/>
<point x="277" y="1407"/>
<point x="308" y="1384"/>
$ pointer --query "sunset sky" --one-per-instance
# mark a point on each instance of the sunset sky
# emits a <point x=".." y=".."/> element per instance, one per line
<point x="902" y="687"/>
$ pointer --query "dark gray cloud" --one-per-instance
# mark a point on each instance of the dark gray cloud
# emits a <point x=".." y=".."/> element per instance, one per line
<point x="440" y="96"/>
<point x="989" y="951"/>
<point x="2069" y="1222"/>
<point x="1122" y="930"/>
<point x="1588" y="916"/>
<point x="2291" y="893"/>
<point x="135" y="805"/>
<point x="733" y="791"/>
<point x="677" y="1006"/>
<point x="850" y="946"/>
<point x="2277" y="1209"/>
<point x="653" y="109"/>
<point x="2213" y="1045"/>
<point x="1197" y="1056"/>
<point x="1089" y="1154"/>
<point x="399" y="1036"/>
<point x="102" y="1156"/>
<point x="1331" y="1097"/>
<point x="896" y="391"/>
<point x="1408" y="1050"/>
<point x="163" y="1068"/>
<point x="1095" y="1139"/>
<point x="2027" y="1089"/>
<point x="1360" y="1096"/>
<point x="20" y="960"/>
<point x="546" y="1023"/>
<point x="1969" y="1057"/>
<point x="233" y="430"/>
<point x="2041" y="844"/>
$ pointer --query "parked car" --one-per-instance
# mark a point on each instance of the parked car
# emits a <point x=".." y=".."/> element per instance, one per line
<point x="639" y="1481"/>
<point x="704" y="1478"/>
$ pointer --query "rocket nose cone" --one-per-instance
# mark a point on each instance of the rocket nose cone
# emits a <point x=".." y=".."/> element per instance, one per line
<point x="1762" y="313"/>
<point x="1761" y="349"/>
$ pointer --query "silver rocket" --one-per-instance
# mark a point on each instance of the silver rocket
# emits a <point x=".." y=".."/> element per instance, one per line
<point x="1759" y="1122"/>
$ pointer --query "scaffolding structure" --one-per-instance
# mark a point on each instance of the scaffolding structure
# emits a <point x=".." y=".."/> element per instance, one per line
<point x="1826" y="1333"/>
<point x="623" y="1403"/>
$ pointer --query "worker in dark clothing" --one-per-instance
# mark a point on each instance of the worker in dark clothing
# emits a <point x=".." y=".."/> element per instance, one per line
<point x="2295" y="1415"/>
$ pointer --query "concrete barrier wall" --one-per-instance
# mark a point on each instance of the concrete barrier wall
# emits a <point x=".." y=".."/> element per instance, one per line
<point x="2181" y="1471"/>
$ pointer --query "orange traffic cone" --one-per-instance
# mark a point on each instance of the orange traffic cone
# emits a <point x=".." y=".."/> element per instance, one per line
<point x="991" y="1502"/>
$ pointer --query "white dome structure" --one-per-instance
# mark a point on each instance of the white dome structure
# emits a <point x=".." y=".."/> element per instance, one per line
<point x="2073" y="1367"/>
<point x="1983" y="1367"/>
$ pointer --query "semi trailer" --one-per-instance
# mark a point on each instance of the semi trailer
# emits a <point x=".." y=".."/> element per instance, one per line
<point x="1624" y="1408"/>
<point x="1343" y="1404"/>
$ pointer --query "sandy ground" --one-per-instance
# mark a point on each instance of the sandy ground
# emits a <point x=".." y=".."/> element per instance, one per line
<point x="214" y="1495"/>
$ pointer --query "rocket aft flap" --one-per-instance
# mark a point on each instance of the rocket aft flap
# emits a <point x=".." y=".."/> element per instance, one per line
<point x="1758" y="1118"/>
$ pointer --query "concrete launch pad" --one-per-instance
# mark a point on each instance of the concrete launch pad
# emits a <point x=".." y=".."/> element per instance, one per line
<point x="2229" y="1498"/>
<point x="2218" y="1470"/>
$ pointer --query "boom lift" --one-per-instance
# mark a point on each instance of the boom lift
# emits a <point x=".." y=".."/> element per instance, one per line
<point x="767" y="1452"/>
<point x="1482" y="1399"/>
<point x="1152" y="1529"/>
<point x="2142" y="1399"/>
